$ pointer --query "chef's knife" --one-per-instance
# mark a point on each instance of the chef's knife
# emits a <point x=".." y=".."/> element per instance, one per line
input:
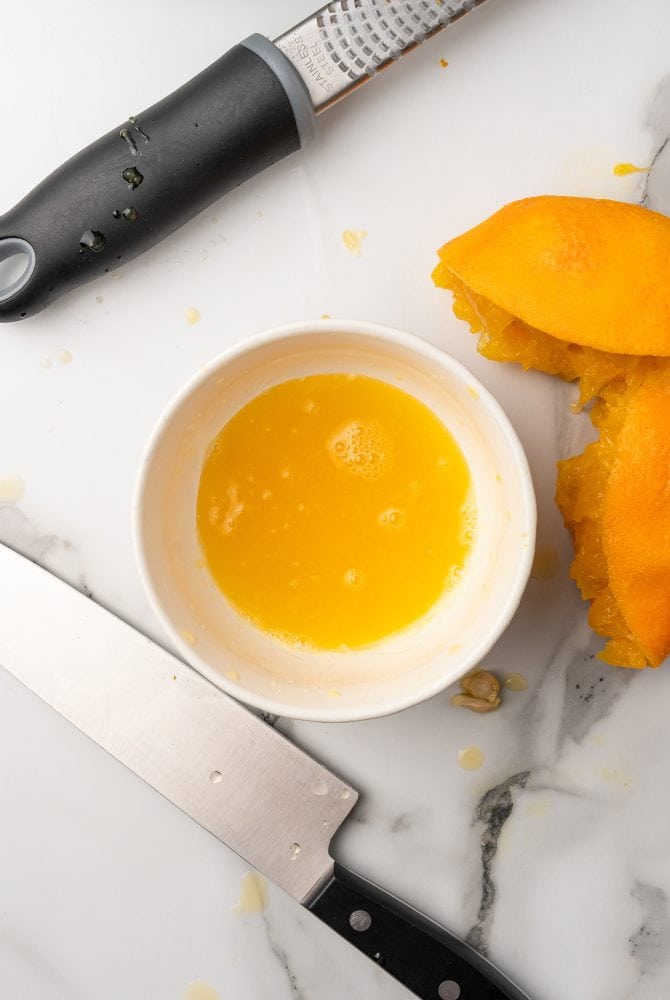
<point x="150" y="175"/>
<point x="239" y="778"/>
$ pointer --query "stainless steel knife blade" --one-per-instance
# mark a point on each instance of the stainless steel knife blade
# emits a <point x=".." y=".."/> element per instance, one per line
<point x="237" y="777"/>
<point x="223" y="766"/>
<point x="345" y="43"/>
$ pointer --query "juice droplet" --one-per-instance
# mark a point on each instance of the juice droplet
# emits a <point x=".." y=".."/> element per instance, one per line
<point x="130" y="142"/>
<point x="140" y="131"/>
<point x="65" y="357"/>
<point x="352" y="239"/>
<point x="130" y="214"/>
<point x="188" y="637"/>
<point x="470" y="758"/>
<point x="232" y="675"/>
<point x="515" y="682"/>
<point x="132" y="177"/>
<point x="12" y="489"/>
<point x="253" y="895"/>
<point x="199" y="990"/>
<point x="624" y="169"/>
<point x="93" y="240"/>
<point x="192" y="316"/>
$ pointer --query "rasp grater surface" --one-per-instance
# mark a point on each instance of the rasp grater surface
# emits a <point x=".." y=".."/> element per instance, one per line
<point x="345" y="43"/>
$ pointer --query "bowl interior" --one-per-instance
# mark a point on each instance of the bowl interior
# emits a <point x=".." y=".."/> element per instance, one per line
<point x="398" y="671"/>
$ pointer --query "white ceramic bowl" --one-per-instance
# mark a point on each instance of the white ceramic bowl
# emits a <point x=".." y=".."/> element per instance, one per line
<point x="397" y="672"/>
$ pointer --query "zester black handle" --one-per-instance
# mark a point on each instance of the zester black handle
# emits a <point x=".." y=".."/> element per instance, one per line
<point x="424" y="957"/>
<point x="135" y="185"/>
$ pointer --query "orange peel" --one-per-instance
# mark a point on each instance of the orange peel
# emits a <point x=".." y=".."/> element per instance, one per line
<point x="636" y="518"/>
<point x="579" y="288"/>
<point x="586" y="271"/>
<point x="609" y="497"/>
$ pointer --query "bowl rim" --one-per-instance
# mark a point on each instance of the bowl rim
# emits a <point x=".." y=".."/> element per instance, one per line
<point x="416" y="345"/>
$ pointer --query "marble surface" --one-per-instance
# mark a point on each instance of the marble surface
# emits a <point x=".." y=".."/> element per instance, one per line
<point x="554" y="858"/>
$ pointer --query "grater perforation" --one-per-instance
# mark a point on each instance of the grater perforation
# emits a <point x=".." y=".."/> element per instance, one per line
<point x="348" y="41"/>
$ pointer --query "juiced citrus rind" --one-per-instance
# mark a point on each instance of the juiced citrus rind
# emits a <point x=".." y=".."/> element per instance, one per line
<point x="534" y="282"/>
<point x="586" y="271"/>
<point x="636" y="516"/>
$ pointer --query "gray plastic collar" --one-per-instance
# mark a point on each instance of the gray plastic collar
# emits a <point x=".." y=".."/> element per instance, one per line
<point x="291" y="81"/>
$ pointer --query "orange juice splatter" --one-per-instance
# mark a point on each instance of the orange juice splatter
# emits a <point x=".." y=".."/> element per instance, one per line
<point x="198" y="990"/>
<point x="352" y="239"/>
<point x="12" y="489"/>
<point x="516" y="682"/>
<point x="444" y="63"/>
<point x="471" y="758"/>
<point x="308" y="520"/>
<point x="624" y="169"/>
<point x="253" y="895"/>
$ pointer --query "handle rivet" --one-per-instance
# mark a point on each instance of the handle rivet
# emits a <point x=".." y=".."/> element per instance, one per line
<point x="360" y="920"/>
<point x="448" y="990"/>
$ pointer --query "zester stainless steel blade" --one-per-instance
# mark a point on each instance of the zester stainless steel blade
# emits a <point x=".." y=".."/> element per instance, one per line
<point x="223" y="766"/>
<point x="345" y="43"/>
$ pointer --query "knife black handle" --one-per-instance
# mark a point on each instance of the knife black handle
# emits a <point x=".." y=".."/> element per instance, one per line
<point x="424" y="957"/>
<point x="144" y="179"/>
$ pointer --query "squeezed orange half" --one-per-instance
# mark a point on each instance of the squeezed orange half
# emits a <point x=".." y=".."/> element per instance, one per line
<point x="578" y="287"/>
<point x="335" y="510"/>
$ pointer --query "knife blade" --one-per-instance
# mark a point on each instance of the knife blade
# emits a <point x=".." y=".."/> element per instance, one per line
<point x="142" y="180"/>
<point x="240" y="779"/>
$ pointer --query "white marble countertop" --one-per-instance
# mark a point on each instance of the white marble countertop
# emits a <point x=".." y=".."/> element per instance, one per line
<point x="107" y="891"/>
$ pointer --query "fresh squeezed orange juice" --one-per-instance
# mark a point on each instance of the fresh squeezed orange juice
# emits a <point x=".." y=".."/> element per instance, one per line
<point x="335" y="510"/>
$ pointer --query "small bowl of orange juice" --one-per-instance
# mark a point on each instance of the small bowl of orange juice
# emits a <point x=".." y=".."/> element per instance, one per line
<point x="334" y="520"/>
